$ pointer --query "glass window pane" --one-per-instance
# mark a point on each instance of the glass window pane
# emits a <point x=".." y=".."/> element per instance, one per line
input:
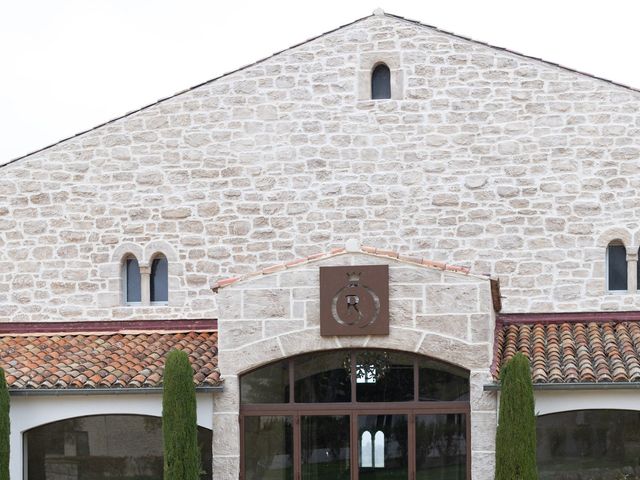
<point x="381" y="82"/>
<point x="442" y="382"/>
<point x="325" y="448"/>
<point x="441" y="448"/>
<point x="617" y="264"/>
<point x="268" y="384"/>
<point x="384" y="377"/>
<point x="127" y="447"/>
<point x="385" y="437"/>
<point x="268" y="448"/>
<point x="133" y="280"/>
<point x="588" y="444"/>
<point x="323" y="377"/>
<point x="159" y="280"/>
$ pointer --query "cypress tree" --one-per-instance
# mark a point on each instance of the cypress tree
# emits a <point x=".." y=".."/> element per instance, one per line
<point x="5" y="427"/>
<point x="179" y="425"/>
<point x="516" y="434"/>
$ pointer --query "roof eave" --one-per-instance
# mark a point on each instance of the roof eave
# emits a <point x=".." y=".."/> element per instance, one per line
<point x="493" y="387"/>
<point x="33" y="392"/>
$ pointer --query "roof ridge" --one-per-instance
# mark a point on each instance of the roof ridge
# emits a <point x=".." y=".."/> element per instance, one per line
<point x="244" y="67"/>
<point x="373" y="251"/>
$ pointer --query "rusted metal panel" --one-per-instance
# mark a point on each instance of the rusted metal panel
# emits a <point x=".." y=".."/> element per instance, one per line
<point x="354" y="300"/>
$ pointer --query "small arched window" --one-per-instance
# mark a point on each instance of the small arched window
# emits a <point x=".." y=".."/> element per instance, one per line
<point x="381" y="82"/>
<point x="159" y="281"/>
<point x="131" y="280"/>
<point x="616" y="266"/>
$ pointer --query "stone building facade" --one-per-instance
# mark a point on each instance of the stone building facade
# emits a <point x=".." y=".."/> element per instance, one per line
<point x="276" y="316"/>
<point x="512" y="168"/>
<point x="483" y="158"/>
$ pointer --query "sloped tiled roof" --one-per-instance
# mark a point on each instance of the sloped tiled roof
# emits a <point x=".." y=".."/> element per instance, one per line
<point x="110" y="360"/>
<point x="372" y="251"/>
<point x="573" y="352"/>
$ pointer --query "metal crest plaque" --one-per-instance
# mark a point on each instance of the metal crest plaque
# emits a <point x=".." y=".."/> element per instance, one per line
<point x="354" y="300"/>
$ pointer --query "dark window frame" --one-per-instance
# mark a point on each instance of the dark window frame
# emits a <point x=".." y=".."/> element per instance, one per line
<point x="353" y="409"/>
<point x="127" y="280"/>
<point x="381" y="82"/>
<point x="155" y="276"/>
<point x="617" y="267"/>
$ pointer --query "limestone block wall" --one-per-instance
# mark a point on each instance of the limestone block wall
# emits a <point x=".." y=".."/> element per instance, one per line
<point x="442" y="315"/>
<point x="482" y="158"/>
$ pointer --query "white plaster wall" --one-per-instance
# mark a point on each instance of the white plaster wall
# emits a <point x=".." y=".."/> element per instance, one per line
<point x="31" y="411"/>
<point x="555" y="401"/>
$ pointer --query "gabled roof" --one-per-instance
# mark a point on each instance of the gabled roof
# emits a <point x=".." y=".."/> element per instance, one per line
<point x="94" y="361"/>
<point x="371" y="251"/>
<point x="389" y="15"/>
<point x="574" y="348"/>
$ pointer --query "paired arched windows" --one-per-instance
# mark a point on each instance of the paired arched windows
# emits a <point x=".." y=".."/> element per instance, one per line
<point x="135" y="279"/>
<point x="372" y="449"/>
<point x="380" y="82"/>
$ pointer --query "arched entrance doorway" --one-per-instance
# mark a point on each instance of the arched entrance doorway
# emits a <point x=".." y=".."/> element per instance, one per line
<point x="355" y="415"/>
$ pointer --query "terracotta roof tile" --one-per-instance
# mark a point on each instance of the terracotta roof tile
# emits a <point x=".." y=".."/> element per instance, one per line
<point x="377" y="252"/>
<point x="573" y="352"/>
<point x="93" y="361"/>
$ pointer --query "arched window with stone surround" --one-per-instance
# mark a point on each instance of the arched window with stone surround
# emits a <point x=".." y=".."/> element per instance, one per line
<point x="131" y="280"/>
<point x="616" y="266"/>
<point x="159" y="279"/>
<point x="380" y="82"/>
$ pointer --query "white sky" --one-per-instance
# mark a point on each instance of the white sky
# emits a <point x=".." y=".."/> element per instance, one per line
<point x="68" y="65"/>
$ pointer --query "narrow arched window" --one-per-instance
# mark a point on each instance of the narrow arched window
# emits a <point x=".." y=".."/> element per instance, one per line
<point x="381" y="82"/>
<point x="131" y="280"/>
<point x="159" y="286"/>
<point x="616" y="266"/>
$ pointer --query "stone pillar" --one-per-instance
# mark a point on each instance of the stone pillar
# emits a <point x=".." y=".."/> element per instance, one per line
<point x="145" y="284"/>
<point x="632" y="271"/>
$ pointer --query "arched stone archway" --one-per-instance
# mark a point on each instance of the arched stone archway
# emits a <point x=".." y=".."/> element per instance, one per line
<point x="442" y="314"/>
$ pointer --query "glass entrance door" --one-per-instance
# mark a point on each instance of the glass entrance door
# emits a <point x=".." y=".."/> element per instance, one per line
<point x="383" y="447"/>
<point x="355" y="415"/>
<point x="325" y="451"/>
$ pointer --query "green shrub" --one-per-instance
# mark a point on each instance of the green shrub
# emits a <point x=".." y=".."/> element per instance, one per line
<point x="516" y="434"/>
<point x="5" y="427"/>
<point x="179" y="424"/>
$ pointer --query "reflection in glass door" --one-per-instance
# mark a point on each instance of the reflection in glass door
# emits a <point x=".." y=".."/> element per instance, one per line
<point x="383" y="447"/>
<point x="441" y="449"/>
<point x="271" y="454"/>
<point x="325" y="447"/>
